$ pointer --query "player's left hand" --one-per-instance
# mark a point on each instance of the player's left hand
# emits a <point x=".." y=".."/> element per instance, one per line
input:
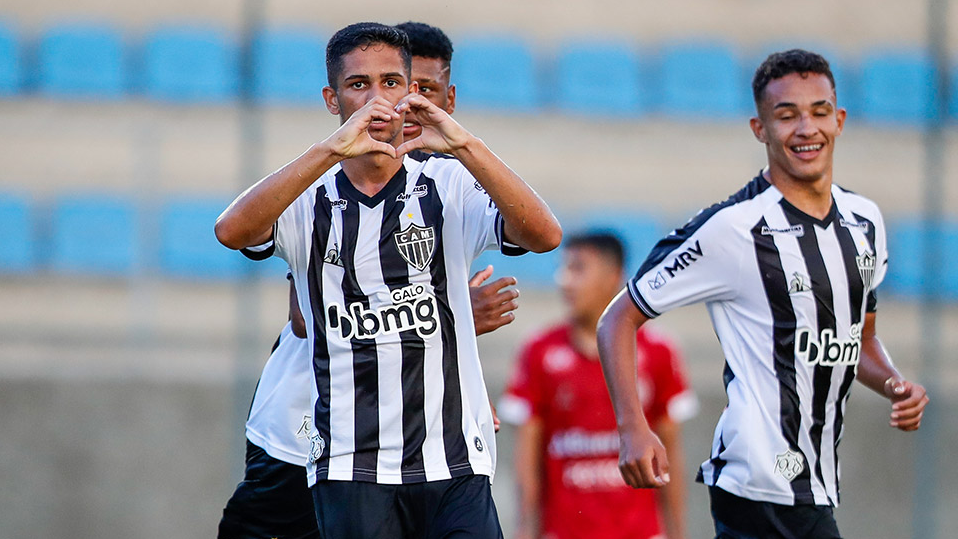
<point x="493" y="303"/>
<point x="908" y="403"/>
<point x="440" y="133"/>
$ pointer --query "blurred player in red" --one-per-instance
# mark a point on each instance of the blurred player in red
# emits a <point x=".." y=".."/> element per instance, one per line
<point x="567" y="445"/>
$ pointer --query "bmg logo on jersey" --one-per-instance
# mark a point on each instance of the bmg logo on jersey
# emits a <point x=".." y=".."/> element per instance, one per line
<point x="413" y="308"/>
<point x="829" y="350"/>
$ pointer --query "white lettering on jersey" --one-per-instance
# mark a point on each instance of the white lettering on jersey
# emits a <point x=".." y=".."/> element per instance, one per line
<point x="413" y="308"/>
<point x="828" y="350"/>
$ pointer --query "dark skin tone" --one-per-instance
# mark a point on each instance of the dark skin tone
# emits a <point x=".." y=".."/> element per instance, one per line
<point x="799" y="122"/>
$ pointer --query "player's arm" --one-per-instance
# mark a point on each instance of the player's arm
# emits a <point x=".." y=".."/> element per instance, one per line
<point x="528" y="221"/>
<point x="672" y="496"/>
<point x="295" y="315"/>
<point x="249" y="219"/>
<point x="876" y="371"/>
<point x="642" y="459"/>
<point x="529" y="449"/>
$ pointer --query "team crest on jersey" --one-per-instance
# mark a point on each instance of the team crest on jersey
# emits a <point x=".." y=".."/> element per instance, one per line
<point x="866" y="268"/>
<point x="798" y="284"/>
<point x="789" y="464"/>
<point x="316" y="446"/>
<point x="417" y="245"/>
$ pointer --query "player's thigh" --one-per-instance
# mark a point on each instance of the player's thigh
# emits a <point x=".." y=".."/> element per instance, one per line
<point x="357" y="510"/>
<point x="465" y="511"/>
<point x="271" y="501"/>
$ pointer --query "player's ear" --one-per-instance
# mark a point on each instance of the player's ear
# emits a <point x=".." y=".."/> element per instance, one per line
<point x="451" y="94"/>
<point x="758" y="129"/>
<point x="840" y="118"/>
<point x="414" y="87"/>
<point x="332" y="101"/>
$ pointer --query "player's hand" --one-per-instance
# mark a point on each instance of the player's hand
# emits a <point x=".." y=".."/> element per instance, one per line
<point x="642" y="459"/>
<point x="492" y="304"/>
<point x="440" y="133"/>
<point x="495" y="417"/>
<point x="352" y="138"/>
<point x="908" y="403"/>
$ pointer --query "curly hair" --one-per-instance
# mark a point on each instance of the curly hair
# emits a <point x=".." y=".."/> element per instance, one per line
<point x="780" y="64"/>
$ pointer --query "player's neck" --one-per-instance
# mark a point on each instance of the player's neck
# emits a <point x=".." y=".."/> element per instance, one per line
<point x="371" y="172"/>
<point x="812" y="197"/>
<point x="584" y="336"/>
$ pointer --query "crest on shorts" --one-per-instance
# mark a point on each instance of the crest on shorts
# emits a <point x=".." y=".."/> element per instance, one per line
<point x="417" y="245"/>
<point x="866" y="268"/>
<point x="789" y="464"/>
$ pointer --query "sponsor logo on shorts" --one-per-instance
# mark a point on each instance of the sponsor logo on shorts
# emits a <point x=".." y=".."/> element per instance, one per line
<point x="789" y="464"/>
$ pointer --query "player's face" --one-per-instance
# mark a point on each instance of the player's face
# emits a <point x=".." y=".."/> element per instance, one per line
<point x="432" y="75"/>
<point x="377" y="70"/>
<point x="588" y="281"/>
<point x="799" y="122"/>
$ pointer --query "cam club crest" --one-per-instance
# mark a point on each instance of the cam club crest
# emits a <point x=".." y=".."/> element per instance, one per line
<point x="417" y="245"/>
<point x="866" y="268"/>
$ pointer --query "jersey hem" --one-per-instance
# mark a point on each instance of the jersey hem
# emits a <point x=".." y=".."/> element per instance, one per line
<point x="274" y="451"/>
<point x="759" y="495"/>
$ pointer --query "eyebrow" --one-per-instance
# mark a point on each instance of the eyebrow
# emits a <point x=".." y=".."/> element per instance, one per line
<point x="358" y="76"/>
<point x="786" y="104"/>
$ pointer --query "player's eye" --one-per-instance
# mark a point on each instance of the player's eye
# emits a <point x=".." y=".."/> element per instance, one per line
<point x="358" y="85"/>
<point x="392" y="83"/>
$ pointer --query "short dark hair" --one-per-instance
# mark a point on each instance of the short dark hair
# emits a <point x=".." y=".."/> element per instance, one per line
<point x="362" y="35"/>
<point x="780" y="64"/>
<point x="427" y="41"/>
<point x="607" y="243"/>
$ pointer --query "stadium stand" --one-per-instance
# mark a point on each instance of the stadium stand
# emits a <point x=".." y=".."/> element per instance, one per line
<point x="15" y="222"/>
<point x="188" y="248"/>
<point x="906" y="275"/>
<point x="190" y="64"/>
<point x="94" y="235"/>
<point x="898" y="87"/>
<point x="700" y="80"/>
<point x="496" y="73"/>
<point x="289" y="66"/>
<point x="600" y="77"/>
<point x="79" y="60"/>
<point x="11" y="63"/>
<point x="638" y="230"/>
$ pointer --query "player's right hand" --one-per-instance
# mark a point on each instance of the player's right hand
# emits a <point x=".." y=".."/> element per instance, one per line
<point x="642" y="459"/>
<point x="352" y="138"/>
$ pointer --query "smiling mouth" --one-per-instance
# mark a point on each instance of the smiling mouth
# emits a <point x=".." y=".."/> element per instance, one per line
<point x="807" y="148"/>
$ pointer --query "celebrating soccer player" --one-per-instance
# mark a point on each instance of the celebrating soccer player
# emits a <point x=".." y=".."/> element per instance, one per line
<point x="788" y="268"/>
<point x="379" y="243"/>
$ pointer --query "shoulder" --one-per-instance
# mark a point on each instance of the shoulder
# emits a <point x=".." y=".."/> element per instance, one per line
<point x="855" y="202"/>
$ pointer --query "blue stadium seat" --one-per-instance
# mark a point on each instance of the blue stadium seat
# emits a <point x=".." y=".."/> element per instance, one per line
<point x="289" y="66"/>
<point x="191" y="64"/>
<point x="907" y="270"/>
<point x="701" y="80"/>
<point x="11" y="62"/>
<point x="189" y="248"/>
<point x="17" y="229"/>
<point x="953" y="91"/>
<point x="82" y="60"/>
<point x="600" y="78"/>
<point x="898" y="87"/>
<point x="94" y="235"/>
<point x="495" y="73"/>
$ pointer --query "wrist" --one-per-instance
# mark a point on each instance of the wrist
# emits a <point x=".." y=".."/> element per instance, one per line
<point x="471" y="146"/>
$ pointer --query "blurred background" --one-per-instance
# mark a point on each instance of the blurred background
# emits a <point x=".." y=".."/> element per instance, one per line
<point x="130" y="341"/>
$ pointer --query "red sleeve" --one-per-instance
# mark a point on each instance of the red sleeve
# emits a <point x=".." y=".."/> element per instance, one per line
<point x="671" y="395"/>
<point x="523" y="397"/>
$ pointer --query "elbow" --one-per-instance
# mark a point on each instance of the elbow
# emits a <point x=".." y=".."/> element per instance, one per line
<point x="549" y="239"/>
<point x="227" y="234"/>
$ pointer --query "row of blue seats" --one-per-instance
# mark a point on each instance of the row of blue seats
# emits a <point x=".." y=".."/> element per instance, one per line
<point x="604" y="77"/>
<point x="113" y="237"/>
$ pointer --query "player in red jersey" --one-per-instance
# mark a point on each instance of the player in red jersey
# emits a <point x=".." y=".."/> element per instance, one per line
<point x="567" y="444"/>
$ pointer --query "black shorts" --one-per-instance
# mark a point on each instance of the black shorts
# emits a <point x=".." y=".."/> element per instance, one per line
<point x="272" y="501"/>
<point x="457" y="508"/>
<point x="741" y="518"/>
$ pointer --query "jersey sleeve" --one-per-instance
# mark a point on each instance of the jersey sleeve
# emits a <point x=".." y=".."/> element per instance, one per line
<point x="523" y="397"/>
<point x="881" y="263"/>
<point x="672" y="396"/>
<point x="483" y="226"/>
<point x="699" y="262"/>
<point x="290" y="232"/>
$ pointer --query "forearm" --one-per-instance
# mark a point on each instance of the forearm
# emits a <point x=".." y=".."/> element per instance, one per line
<point x="875" y="367"/>
<point x="528" y="465"/>
<point x="528" y="220"/>
<point x="616" y="337"/>
<point x="249" y="219"/>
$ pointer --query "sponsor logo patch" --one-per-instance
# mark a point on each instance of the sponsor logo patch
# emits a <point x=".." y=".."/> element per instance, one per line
<point x="684" y="259"/>
<point x="478" y="443"/>
<point x="338" y="203"/>
<point x="789" y="464"/>
<point x="797" y="231"/>
<point x="418" y="191"/>
<point x="658" y="282"/>
<point x="863" y="226"/>
<point x="332" y="257"/>
<point x="414" y="308"/>
<point x="417" y="245"/>
<point x="828" y="350"/>
<point x="799" y="284"/>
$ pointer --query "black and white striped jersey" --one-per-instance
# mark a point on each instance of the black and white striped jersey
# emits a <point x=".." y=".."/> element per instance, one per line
<point x="787" y="294"/>
<point x="382" y="282"/>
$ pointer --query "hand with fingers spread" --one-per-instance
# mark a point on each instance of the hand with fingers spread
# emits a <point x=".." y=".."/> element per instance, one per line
<point x="353" y="139"/>
<point x="908" y="403"/>
<point x="440" y="133"/>
<point x="642" y="459"/>
<point x="492" y="304"/>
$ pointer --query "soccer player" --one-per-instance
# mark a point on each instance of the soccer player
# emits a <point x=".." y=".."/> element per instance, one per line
<point x="379" y="244"/>
<point x="787" y="268"/>
<point x="566" y="452"/>
<point x="273" y="500"/>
